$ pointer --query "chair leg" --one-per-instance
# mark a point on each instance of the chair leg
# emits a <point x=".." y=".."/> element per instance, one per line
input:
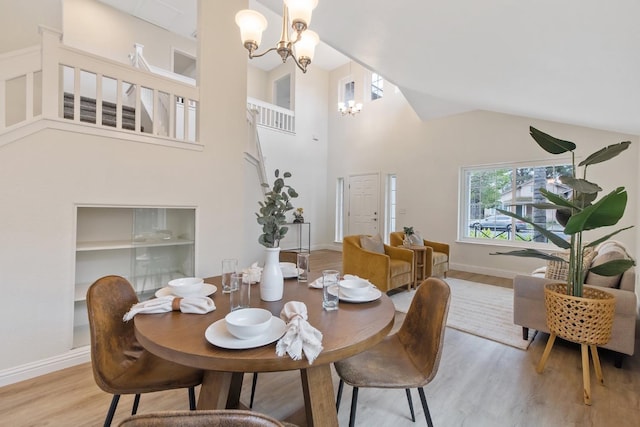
<point x="339" y="396"/>
<point x="254" y="382"/>
<point x="354" y="403"/>
<point x="136" y="402"/>
<point x="413" y="415"/>
<point x="525" y="333"/>
<point x="617" y="359"/>
<point x="112" y="410"/>
<point x="425" y="407"/>
<point x="192" y="398"/>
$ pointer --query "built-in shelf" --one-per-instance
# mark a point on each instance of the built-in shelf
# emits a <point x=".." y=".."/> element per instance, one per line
<point x="147" y="246"/>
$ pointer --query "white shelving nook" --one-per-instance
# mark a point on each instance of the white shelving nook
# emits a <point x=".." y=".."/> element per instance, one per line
<point x="147" y="245"/>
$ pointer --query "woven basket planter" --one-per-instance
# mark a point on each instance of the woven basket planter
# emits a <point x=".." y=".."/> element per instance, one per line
<point x="583" y="320"/>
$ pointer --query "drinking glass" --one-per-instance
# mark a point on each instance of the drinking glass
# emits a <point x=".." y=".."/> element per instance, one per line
<point x="240" y="291"/>
<point x="330" y="291"/>
<point x="302" y="262"/>
<point x="228" y="266"/>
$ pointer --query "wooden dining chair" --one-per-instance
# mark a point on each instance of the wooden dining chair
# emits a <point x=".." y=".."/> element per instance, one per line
<point x="407" y="359"/>
<point x="209" y="418"/>
<point x="120" y="364"/>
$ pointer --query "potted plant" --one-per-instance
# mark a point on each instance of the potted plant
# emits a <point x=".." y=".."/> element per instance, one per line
<point x="576" y="313"/>
<point x="578" y="213"/>
<point x="408" y="232"/>
<point x="272" y="218"/>
<point x="298" y="217"/>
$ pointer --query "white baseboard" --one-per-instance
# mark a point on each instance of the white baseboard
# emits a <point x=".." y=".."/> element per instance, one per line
<point x="45" y="366"/>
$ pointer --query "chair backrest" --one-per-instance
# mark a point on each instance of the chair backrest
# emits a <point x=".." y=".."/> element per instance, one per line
<point x="213" y="418"/>
<point x="422" y="332"/>
<point x="113" y="343"/>
<point x="396" y="238"/>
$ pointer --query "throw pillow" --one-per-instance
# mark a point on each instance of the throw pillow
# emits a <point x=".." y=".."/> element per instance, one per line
<point x="559" y="270"/>
<point x="372" y="243"/>
<point x="608" y="254"/>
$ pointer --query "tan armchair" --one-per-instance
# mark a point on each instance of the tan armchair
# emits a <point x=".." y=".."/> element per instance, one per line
<point x="388" y="270"/>
<point x="437" y="254"/>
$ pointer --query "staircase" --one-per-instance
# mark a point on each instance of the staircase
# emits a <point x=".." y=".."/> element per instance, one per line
<point x="88" y="112"/>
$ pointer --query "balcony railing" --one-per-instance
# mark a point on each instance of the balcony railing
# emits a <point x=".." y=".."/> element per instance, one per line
<point x="272" y="116"/>
<point x="99" y="92"/>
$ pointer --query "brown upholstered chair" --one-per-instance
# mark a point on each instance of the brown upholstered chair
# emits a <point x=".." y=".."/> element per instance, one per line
<point x="388" y="270"/>
<point x="437" y="254"/>
<point x="120" y="364"/>
<point x="210" y="418"/>
<point x="407" y="359"/>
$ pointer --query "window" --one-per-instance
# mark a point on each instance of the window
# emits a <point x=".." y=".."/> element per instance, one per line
<point x="349" y="91"/>
<point x="282" y="92"/>
<point x="390" y="205"/>
<point x="512" y="188"/>
<point x="377" y="86"/>
<point x="339" y="230"/>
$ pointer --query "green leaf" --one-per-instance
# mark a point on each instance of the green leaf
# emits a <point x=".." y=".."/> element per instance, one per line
<point x="287" y="175"/>
<point x="556" y="199"/>
<point x="552" y="237"/>
<point x="549" y="143"/>
<point x="606" y="211"/>
<point x="607" y="237"/>
<point x="531" y="253"/>
<point x="580" y="185"/>
<point x="605" y="153"/>
<point x="613" y="267"/>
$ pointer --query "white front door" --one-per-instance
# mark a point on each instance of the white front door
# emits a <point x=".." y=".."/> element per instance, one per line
<point x="363" y="204"/>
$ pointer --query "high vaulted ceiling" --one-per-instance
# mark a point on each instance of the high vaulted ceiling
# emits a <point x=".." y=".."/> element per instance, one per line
<point x="571" y="61"/>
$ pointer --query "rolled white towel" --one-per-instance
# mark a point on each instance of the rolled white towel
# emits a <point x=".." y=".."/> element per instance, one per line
<point x="193" y="304"/>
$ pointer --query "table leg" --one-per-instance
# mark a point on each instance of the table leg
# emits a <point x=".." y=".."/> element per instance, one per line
<point x="220" y="390"/>
<point x="319" y="400"/>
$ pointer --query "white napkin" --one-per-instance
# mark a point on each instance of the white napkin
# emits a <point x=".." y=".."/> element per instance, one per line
<point x="299" y="336"/>
<point x="254" y="272"/>
<point x="194" y="304"/>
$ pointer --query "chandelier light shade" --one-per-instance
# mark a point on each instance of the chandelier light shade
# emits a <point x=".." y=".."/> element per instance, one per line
<point x="295" y="14"/>
<point x="350" y="108"/>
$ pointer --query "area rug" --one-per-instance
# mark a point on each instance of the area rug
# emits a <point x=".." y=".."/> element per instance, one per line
<point x="478" y="309"/>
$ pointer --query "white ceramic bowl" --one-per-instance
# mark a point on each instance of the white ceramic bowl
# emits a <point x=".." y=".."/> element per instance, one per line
<point x="355" y="288"/>
<point x="247" y="323"/>
<point x="186" y="286"/>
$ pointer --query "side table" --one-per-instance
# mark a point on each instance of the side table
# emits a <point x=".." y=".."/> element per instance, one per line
<point x="419" y="263"/>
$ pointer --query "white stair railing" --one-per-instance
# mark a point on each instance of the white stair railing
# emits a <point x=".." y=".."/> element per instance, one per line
<point x="88" y="78"/>
<point x="272" y="116"/>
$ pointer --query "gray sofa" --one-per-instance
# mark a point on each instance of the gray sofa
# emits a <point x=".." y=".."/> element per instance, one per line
<point x="529" y="306"/>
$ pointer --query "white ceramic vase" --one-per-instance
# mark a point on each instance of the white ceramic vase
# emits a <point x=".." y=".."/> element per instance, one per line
<point x="271" y="280"/>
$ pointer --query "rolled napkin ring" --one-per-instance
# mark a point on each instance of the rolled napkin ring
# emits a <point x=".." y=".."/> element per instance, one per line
<point x="175" y="304"/>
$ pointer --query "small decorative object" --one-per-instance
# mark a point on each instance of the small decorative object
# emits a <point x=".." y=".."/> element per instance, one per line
<point x="297" y="216"/>
<point x="411" y="237"/>
<point x="272" y="219"/>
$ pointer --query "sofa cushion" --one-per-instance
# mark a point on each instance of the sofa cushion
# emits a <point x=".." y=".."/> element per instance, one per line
<point x="608" y="253"/>
<point x="372" y="243"/>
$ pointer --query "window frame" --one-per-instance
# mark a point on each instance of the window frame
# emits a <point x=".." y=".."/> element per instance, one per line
<point x="464" y="201"/>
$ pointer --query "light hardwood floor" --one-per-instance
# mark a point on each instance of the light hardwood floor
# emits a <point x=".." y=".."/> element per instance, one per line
<point x="479" y="383"/>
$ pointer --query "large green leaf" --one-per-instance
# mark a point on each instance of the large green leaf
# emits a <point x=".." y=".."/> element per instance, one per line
<point x="549" y="143"/>
<point x="531" y="253"/>
<point x="556" y="199"/>
<point x="607" y="237"/>
<point x="606" y="211"/>
<point x="552" y="237"/>
<point x="605" y="153"/>
<point x="613" y="267"/>
<point x="580" y="185"/>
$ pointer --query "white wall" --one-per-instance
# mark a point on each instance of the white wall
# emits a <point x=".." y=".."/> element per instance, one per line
<point x="387" y="137"/>
<point x="19" y="21"/>
<point x="43" y="177"/>
<point x="95" y="27"/>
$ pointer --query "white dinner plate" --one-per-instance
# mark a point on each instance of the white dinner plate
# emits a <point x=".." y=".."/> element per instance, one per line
<point x="372" y="295"/>
<point x="206" y="290"/>
<point x="218" y="335"/>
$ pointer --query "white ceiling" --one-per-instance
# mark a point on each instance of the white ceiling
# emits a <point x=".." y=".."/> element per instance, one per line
<point x="571" y="61"/>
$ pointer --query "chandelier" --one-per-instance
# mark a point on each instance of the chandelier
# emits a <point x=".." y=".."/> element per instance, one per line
<point x="298" y="13"/>
<point x="350" y="108"/>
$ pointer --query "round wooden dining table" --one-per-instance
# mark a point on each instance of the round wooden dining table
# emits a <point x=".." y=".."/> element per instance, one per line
<point x="351" y="329"/>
